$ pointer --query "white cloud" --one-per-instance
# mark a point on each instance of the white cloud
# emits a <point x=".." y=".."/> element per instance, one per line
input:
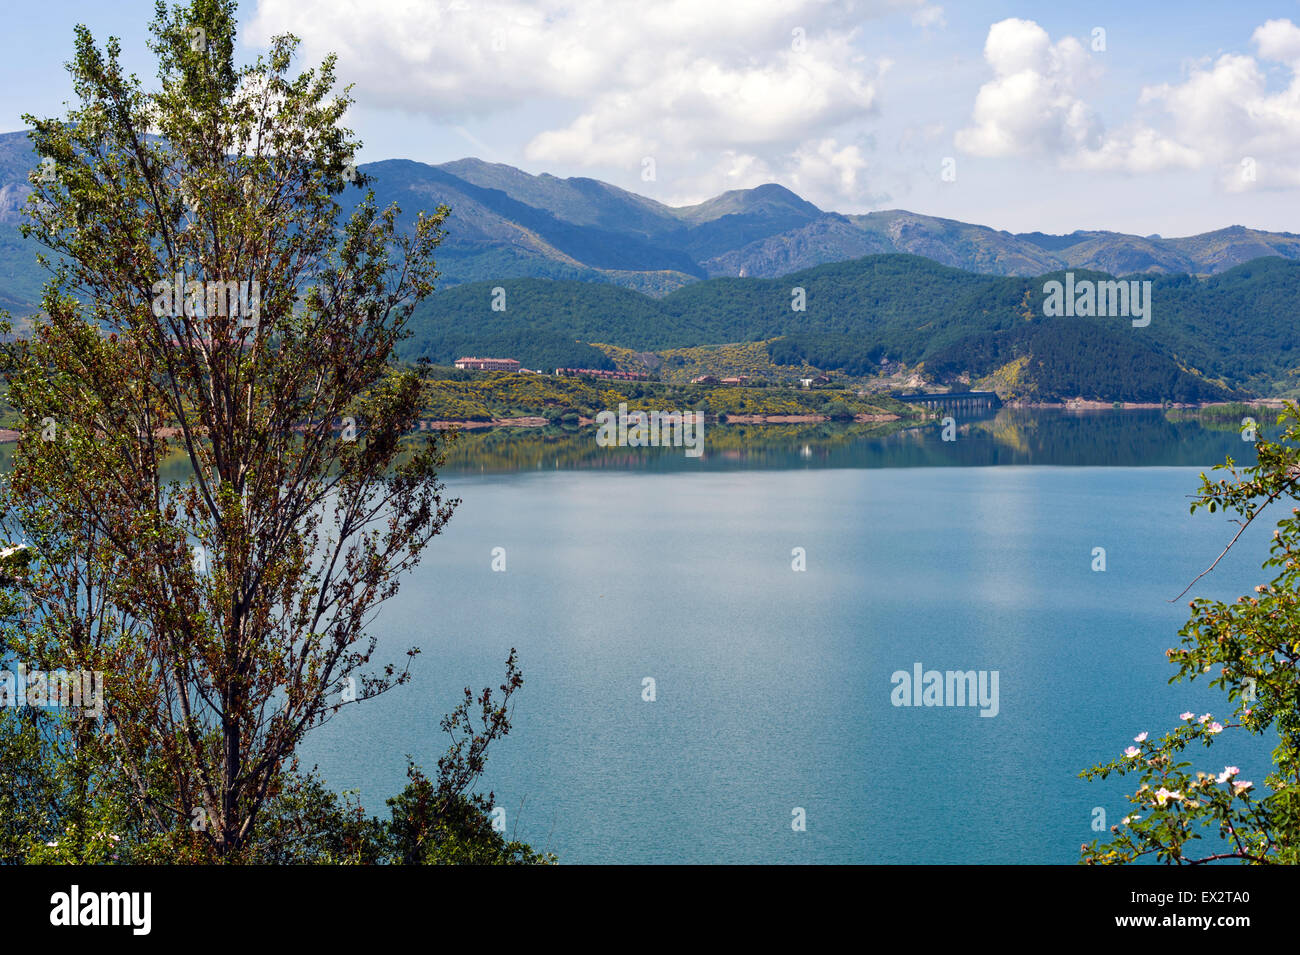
<point x="1141" y="151"/>
<point x="827" y="168"/>
<point x="1222" y="115"/>
<point x="608" y="82"/>
<point x="1031" y="105"/>
<point x="467" y="58"/>
<point x="827" y="173"/>
<point x="698" y="103"/>
<point x="1227" y="113"/>
<point x="929" y="17"/>
<point x="1278" y="40"/>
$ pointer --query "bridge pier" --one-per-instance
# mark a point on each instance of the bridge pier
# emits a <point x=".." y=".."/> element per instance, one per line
<point x="961" y="401"/>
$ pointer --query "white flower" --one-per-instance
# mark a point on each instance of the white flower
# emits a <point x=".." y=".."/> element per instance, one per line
<point x="1132" y="752"/>
<point x="1141" y="737"/>
<point x="1228" y="773"/>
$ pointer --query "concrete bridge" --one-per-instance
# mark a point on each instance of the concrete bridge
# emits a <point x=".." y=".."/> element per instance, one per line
<point x="955" y="400"/>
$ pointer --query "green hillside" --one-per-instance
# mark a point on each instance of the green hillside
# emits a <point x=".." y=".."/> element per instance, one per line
<point x="1209" y="337"/>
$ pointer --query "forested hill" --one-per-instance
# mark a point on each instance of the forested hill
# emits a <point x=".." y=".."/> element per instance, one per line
<point x="1232" y="333"/>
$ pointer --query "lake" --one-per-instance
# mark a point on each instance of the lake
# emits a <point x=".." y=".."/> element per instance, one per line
<point x="772" y="686"/>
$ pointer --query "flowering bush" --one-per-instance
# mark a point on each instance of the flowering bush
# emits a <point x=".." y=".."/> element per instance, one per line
<point x="1255" y="644"/>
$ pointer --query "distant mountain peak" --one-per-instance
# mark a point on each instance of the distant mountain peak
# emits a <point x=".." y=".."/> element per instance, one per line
<point x="768" y="198"/>
<point x="508" y="223"/>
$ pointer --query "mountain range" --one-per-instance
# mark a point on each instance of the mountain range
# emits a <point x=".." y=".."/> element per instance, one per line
<point x="580" y="261"/>
<point x="506" y="223"/>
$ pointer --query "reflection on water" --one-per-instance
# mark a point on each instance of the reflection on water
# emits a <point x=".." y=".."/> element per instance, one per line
<point x="1139" y="438"/>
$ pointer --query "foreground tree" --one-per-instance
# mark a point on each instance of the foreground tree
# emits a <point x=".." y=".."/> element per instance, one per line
<point x="433" y="821"/>
<point x="1255" y="644"/>
<point x="212" y="477"/>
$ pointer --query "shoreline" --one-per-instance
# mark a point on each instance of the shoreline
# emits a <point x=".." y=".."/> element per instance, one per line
<point x="538" y="422"/>
<point x="9" y="436"/>
<point x="1084" y="404"/>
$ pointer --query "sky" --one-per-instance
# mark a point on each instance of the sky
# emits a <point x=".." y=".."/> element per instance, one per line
<point x="1167" y="118"/>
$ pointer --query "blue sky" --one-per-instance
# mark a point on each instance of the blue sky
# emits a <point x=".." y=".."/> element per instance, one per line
<point x="1178" y="118"/>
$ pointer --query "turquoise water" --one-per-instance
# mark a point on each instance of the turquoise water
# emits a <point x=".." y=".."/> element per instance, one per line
<point x="773" y="686"/>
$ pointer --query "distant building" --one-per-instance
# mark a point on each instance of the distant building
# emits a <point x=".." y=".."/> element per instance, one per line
<point x="488" y="364"/>
<point x="822" y="380"/>
<point x="705" y="380"/>
<point x="737" y="380"/>
<point x="601" y="373"/>
<point x="805" y="382"/>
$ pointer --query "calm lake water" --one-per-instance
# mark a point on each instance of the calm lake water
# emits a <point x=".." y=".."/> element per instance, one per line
<point x="773" y="687"/>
